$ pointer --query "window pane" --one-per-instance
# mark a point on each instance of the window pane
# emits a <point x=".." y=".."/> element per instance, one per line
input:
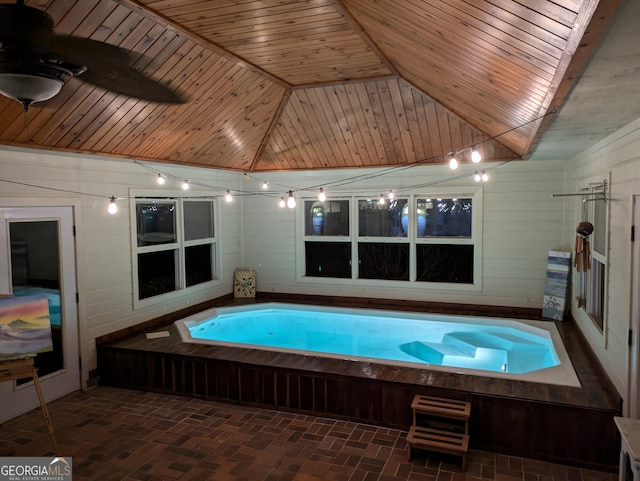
<point x="328" y="259"/>
<point x="383" y="261"/>
<point x="444" y="217"/>
<point x="595" y="296"/>
<point x="198" y="220"/>
<point x="599" y="226"/>
<point x="383" y="220"/>
<point x="444" y="263"/>
<point x="198" y="265"/>
<point x="330" y="217"/>
<point x="155" y="223"/>
<point x="156" y="273"/>
<point x="584" y="209"/>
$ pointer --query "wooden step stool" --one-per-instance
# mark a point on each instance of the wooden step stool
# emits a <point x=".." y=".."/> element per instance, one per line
<point x="447" y="440"/>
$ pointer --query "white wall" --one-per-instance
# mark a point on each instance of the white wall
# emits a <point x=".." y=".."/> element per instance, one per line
<point x="103" y="242"/>
<point x="521" y="223"/>
<point x="616" y="158"/>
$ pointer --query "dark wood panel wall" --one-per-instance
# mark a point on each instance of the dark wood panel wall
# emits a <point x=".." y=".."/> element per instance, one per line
<point x="563" y="433"/>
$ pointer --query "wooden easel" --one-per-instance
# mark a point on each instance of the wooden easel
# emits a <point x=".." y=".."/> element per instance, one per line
<point x="23" y="368"/>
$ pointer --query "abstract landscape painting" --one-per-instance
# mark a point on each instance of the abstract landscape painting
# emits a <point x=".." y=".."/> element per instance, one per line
<point x="25" y="327"/>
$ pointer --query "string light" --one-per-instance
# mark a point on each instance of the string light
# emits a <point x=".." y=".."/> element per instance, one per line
<point x="291" y="201"/>
<point x="475" y="155"/>
<point x="481" y="176"/>
<point x="453" y="162"/>
<point x="381" y="200"/>
<point x="228" y="197"/>
<point x="282" y="204"/>
<point x="113" y="207"/>
<point x="265" y="185"/>
<point x="322" y="196"/>
<point x="391" y="195"/>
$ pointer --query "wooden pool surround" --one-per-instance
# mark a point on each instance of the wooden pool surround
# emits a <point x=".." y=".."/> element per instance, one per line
<point x="568" y="425"/>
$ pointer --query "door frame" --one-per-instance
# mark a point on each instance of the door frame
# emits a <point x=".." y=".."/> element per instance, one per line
<point x="69" y="215"/>
<point x="633" y="408"/>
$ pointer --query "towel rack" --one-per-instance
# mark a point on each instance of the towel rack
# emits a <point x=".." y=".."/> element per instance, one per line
<point x="602" y="195"/>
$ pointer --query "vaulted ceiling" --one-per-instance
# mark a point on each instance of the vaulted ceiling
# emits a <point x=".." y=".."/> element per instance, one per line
<point x="283" y="84"/>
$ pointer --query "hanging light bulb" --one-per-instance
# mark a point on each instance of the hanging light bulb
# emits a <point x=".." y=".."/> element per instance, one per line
<point x="381" y="199"/>
<point x="391" y="196"/>
<point x="113" y="207"/>
<point x="322" y="196"/>
<point x="282" y="203"/>
<point x="475" y="155"/>
<point x="161" y="180"/>
<point x="265" y="185"/>
<point x="185" y="185"/>
<point x="291" y="201"/>
<point x="477" y="176"/>
<point x="228" y="197"/>
<point x="485" y="177"/>
<point x="453" y="162"/>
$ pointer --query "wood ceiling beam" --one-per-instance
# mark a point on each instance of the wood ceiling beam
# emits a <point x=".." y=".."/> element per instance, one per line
<point x="593" y="20"/>
<point x="344" y="82"/>
<point x="346" y="14"/>
<point x="272" y="126"/>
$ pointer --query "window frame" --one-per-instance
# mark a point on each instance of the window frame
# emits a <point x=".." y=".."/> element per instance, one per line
<point x="475" y="193"/>
<point x="180" y="245"/>
<point x="593" y="284"/>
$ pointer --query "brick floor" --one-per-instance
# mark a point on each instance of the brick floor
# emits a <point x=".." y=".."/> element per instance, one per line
<point x="124" y="435"/>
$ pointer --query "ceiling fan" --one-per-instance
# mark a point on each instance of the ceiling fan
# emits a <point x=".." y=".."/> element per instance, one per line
<point x="35" y="62"/>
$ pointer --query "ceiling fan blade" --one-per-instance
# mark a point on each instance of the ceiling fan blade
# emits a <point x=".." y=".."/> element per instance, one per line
<point x="109" y="67"/>
<point x="24" y="30"/>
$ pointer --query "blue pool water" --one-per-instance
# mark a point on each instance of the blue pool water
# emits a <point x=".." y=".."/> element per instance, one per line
<point x="494" y="345"/>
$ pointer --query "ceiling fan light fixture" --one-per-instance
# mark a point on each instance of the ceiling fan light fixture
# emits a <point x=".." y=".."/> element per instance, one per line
<point x="31" y="81"/>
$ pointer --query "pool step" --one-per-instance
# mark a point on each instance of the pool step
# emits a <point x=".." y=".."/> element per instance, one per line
<point x="492" y="340"/>
<point x="458" y="355"/>
<point x="434" y="352"/>
<point x="461" y="349"/>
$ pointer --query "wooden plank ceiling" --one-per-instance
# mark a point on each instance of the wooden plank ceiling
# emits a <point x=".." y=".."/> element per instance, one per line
<point x="290" y="84"/>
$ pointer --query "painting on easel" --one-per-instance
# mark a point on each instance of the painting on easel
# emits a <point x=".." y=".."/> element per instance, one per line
<point x="25" y="326"/>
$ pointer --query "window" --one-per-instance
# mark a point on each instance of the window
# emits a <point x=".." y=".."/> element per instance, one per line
<point x="175" y="245"/>
<point x="590" y="284"/>
<point x="444" y="248"/>
<point x="415" y="239"/>
<point x="382" y="243"/>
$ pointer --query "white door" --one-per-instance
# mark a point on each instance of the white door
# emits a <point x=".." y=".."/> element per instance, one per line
<point x="37" y="254"/>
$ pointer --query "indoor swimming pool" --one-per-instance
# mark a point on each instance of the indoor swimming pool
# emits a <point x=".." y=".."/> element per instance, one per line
<point x="526" y="350"/>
